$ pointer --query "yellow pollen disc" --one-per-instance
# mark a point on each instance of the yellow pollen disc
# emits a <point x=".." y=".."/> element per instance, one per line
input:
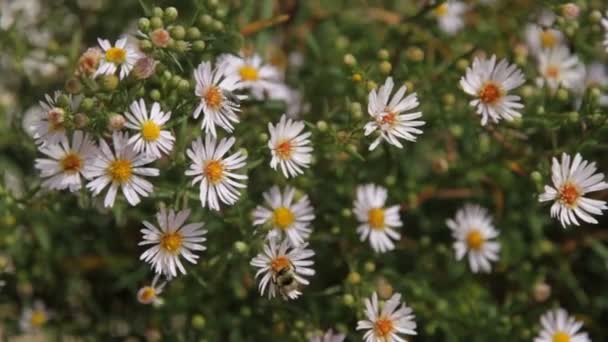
<point x="279" y="263"/>
<point x="441" y="10"/>
<point x="116" y="55"/>
<point x="489" y="93"/>
<point x="376" y="218"/>
<point x="282" y="217"/>
<point x="284" y="150"/>
<point x="552" y="71"/>
<point x="569" y="194"/>
<point x="548" y="39"/>
<point x="120" y="170"/>
<point x="213" y="97"/>
<point x="171" y="242"/>
<point x="214" y="170"/>
<point x="150" y="131"/>
<point x="475" y="240"/>
<point x="38" y="318"/>
<point x="71" y="163"/>
<point x="146" y="294"/>
<point x="383" y="327"/>
<point x="561" y="336"/>
<point x="249" y="73"/>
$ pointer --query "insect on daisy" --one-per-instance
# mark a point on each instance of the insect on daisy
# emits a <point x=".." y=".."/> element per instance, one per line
<point x="171" y="240"/>
<point x="119" y="55"/>
<point x="149" y="294"/>
<point x="388" y="323"/>
<point x="120" y="169"/>
<point x="218" y="181"/>
<point x="67" y="162"/>
<point x="558" y="326"/>
<point x="290" y="148"/>
<point x="491" y="83"/>
<point x="253" y="73"/>
<point x="151" y="138"/>
<point x="387" y="118"/>
<point x="329" y="336"/>
<point x="284" y="216"/>
<point x="571" y="181"/>
<point x="377" y="222"/>
<point x="218" y="103"/>
<point x="560" y="68"/>
<point x="283" y="268"/>
<point x="48" y="124"/>
<point x="34" y="318"/>
<point x="473" y="230"/>
<point x="450" y="16"/>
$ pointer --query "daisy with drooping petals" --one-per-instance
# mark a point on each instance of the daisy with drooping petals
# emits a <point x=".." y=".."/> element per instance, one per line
<point x="120" y="55"/>
<point x="450" y="16"/>
<point x="253" y="73"/>
<point x="388" y="324"/>
<point x="120" y="169"/>
<point x="48" y="124"/>
<point x="284" y="216"/>
<point x="377" y="222"/>
<point x="66" y="163"/>
<point x="283" y="268"/>
<point x="34" y="318"/>
<point x="149" y="294"/>
<point x="290" y="148"/>
<point x="473" y="230"/>
<point x="216" y="174"/>
<point x="387" y="118"/>
<point x="218" y="103"/>
<point x="558" y="326"/>
<point x="151" y="138"/>
<point x="560" y="68"/>
<point x="171" y="240"/>
<point x="329" y="336"/>
<point x="540" y="36"/>
<point x="491" y="84"/>
<point x="570" y="184"/>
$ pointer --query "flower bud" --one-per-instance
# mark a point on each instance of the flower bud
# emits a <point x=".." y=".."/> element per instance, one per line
<point x="541" y="292"/>
<point x="198" y="45"/>
<point x="205" y="20"/>
<point x="414" y="54"/>
<point x="384" y="288"/>
<point x="217" y="25"/>
<point x="462" y="64"/>
<point x="348" y="299"/>
<point x="570" y="11"/>
<point x="183" y="86"/>
<point x="178" y="32"/>
<point x="536" y="176"/>
<point x="56" y="116"/>
<point x="371" y="85"/>
<point x="155" y="94"/>
<point x="193" y="33"/>
<point x="156" y="23"/>
<point x="109" y="82"/>
<point x="595" y="16"/>
<point x="157" y="12"/>
<point x="88" y="61"/>
<point x="73" y="86"/>
<point x="182" y="46"/>
<point x="143" y="24"/>
<point x="144" y="68"/>
<point x="116" y="122"/>
<point x="146" y="295"/>
<point x="357" y="77"/>
<point x="349" y="59"/>
<point x="80" y="120"/>
<point x="354" y="278"/>
<point x="386" y="67"/>
<point x="322" y="126"/>
<point x="369" y="266"/>
<point x="145" y="45"/>
<point x="160" y="37"/>
<point x="198" y="321"/>
<point x="383" y="54"/>
<point x="170" y="14"/>
<point x="241" y="247"/>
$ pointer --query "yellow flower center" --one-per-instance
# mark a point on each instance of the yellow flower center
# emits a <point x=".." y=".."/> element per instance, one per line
<point x="116" y="55"/>
<point x="561" y="336"/>
<point x="214" y="170"/>
<point x="383" y="327"/>
<point x="284" y="150"/>
<point x="552" y="71"/>
<point x="376" y="218"/>
<point x="489" y="93"/>
<point x="441" y="10"/>
<point x="146" y="294"/>
<point x="213" y="97"/>
<point x="475" y="240"/>
<point x="38" y="318"/>
<point x="171" y="242"/>
<point x="150" y="131"/>
<point x="282" y="217"/>
<point x="120" y="170"/>
<point x="279" y="263"/>
<point x="249" y="73"/>
<point x="71" y="163"/>
<point x="569" y="194"/>
<point x="548" y="39"/>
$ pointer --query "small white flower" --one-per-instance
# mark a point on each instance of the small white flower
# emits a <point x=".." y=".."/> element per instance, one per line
<point x="284" y="216"/>
<point x="34" y="318"/>
<point x="387" y="118"/>
<point x="473" y="230"/>
<point x="570" y="184"/>
<point x="540" y="36"/>
<point x="377" y="222"/>
<point x="120" y="169"/>
<point x="450" y="16"/>
<point x="216" y="174"/>
<point x="171" y="240"/>
<point x="558" y="326"/>
<point x="151" y="138"/>
<point x="560" y="68"/>
<point x="66" y="163"/>
<point x="388" y="324"/>
<point x="218" y="103"/>
<point x="491" y="83"/>
<point x="253" y="74"/>
<point x="290" y="148"/>
<point x="48" y="125"/>
<point x="149" y="294"/>
<point x="121" y="55"/>
<point x="284" y="268"/>
<point x="329" y="336"/>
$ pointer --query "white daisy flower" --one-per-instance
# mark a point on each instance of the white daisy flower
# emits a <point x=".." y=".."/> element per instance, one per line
<point x="491" y="83"/>
<point x="151" y="138"/>
<point x="171" y="240"/>
<point x="450" y="16"/>
<point x="149" y="294"/>
<point x="253" y="73"/>
<point x="558" y="326"/>
<point x="34" y="318"/>
<point x="285" y="217"/>
<point x="328" y="336"/>
<point x="66" y="163"/>
<point x="120" y="169"/>
<point x="473" y="230"/>
<point x="540" y="36"/>
<point x="388" y="324"/>
<point x="284" y="268"/>
<point x="218" y="103"/>
<point x="216" y="174"/>
<point x="387" y="118"/>
<point x="377" y="222"/>
<point x="560" y="68"/>
<point x="290" y="148"/>
<point x="48" y="125"/>
<point x="570" y="184"/>
<point x="120" y="55"/>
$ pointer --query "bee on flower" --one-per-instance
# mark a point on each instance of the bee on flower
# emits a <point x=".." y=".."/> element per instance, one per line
<point x="558" y="326"/>
<point x="290" y="148"/>
<point x="559" y="67"/>
<point x="387" y="117"/>
<point x="473" y="231"/>
<point x="120" y="56"/>
<point x="283" y="268"/>
<point x="34" y="318"/>
<point x="450" y="16"/>
<point x="48" y="126"/>
<point x="389" y="322"/>
<point x="149" y="294"/>
<point x="571" y="182"/>
<point x="151" y="137"/>
<point x="255" y="75"/>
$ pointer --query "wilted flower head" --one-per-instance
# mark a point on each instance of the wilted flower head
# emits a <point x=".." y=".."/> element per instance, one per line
<point x="89" y="61"/>
<point x="144" y="68"/>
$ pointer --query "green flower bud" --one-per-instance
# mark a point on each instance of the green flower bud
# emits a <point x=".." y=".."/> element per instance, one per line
<point x="217" y="25"/>
<point x="183" y="86"/>
<point x="212" y="3"/>
<point x="157" y="12"/>
<point x="346" y="212"/>
<point x="193" y="33"/>
<point x="198" y="321"/>
<point x="573" y="117"/>
<point x="371" y="85"/>
<point x="205" y="20"/>
<point x="263" y="137"/>
<point x="390" y="180"/>
<point x="170" y="14"/>
<point x="536" y="176"/>
<point x="178" y="32"/>
<point x="241" y="247"/>
<point x="456" y="130"/>
<point x="182" y="46"/>
<point x="562" y="94"/>
<point x="109" y="82"/>
<point x="145" y="45"/>
<point x="63" y="101"/>
<point x="143" y="24"/>
<point x="354" y="278"/>
<point x="348" y="299"/>
<point x="335" y="230"/>
<point x="595" y="16"/>
<point x="156" y="23"/>
<point x="155" y="94"/>
<point x="198" y="45"/>
<point x="322" y="126"/>
<point x="540" y="110"/>
<point x="349" y="59"/>
<point x="87" y="104"/>
<point x="383" y="54"/>
<point x="369" y="266"/>
<point x="386" y="67"/>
